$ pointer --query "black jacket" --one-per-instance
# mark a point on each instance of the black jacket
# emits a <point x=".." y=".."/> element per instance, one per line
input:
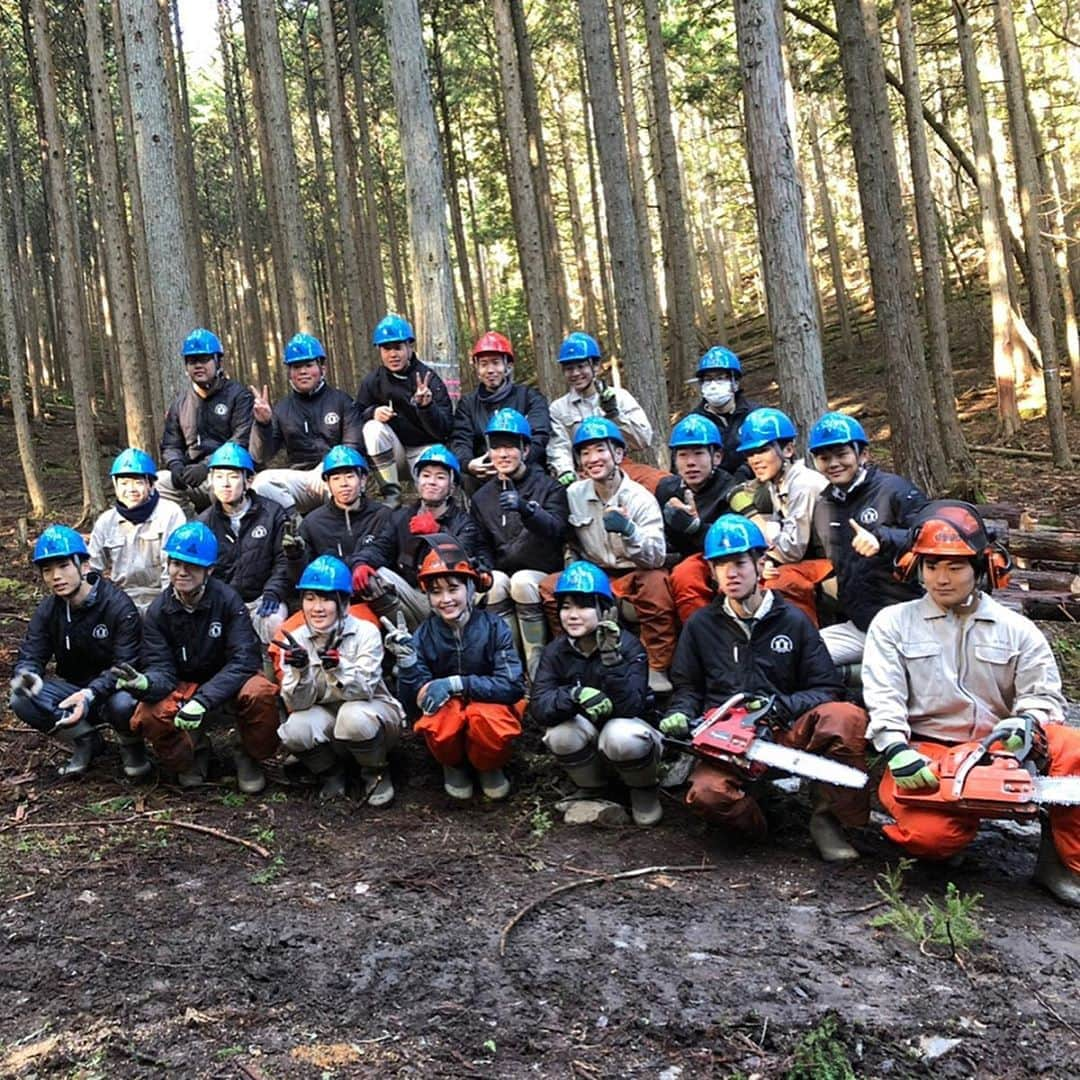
<point x="87" y="640"/>
<point x="732" y="461"/>
<point x="402" y="551"/>
<point x="412" y="425"/>
<point x="254" y="562"/>
<point x="329" y="530"/>
<point x="563" y="668"/>
<point x="711" y="501"/>
<point x="214" y="646"/>
<point x="307" y="425"/>
<point x="784" y="656"/>
<point x="473" y="412"/>
<point x="884" y="504"/>
<point x="524" y="541"/>
<point x="195" y="426"/>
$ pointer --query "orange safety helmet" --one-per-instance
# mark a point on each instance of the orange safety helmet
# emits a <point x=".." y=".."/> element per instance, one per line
<point x="494" y="342"/>
<point x="950" y="528"/>
<point x="447" y="558"/>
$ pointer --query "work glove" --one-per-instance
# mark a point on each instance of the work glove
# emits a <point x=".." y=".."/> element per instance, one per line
<point x="268" y="605"/>
<point x="609" y="401"/>
<point x="190" y="715"/>
<point x="510" y="501"/>
<point x="567" y="478"/>
<point x="195" y="474"/>
<point x="778" y="717"/>
<point x="910" y="770"/>
<point x="595" y="704"/>
<point x="742" y="502"/>
<point x="293" y="654"/>
<point x="423" y="524"/>
<point x="609" y="641"/>
<point x="361" y="577"/>
<point x="129" y="678"/>
<point x="380" y="597"/>
<point x="1021" y="735"/>
<point x="615" y="521"/>
<point x="675" y="725"/>
<point x="292" y="542"/>
<point x="330" y="657"/>
<point x="679" y="520"/>
<point x="435" y="694"/>
<point x="27" y="682"/>
<point x="176" y="471"/>
<point x="74" y="707"/>
<point x="399" y="642"/>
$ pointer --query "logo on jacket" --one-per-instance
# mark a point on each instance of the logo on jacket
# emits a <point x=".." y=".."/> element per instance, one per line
<point x="100" y="631"/>
<point x="221" y="409"/>
<point x="868" y="516"/>
<point x="258" y="532"/>
<point x="331" y="418"/>
<point x="215" y="630"/>
<point x="781" y="644"/>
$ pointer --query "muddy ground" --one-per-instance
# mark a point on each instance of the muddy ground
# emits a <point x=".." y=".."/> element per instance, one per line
<point x="367" y="943"/>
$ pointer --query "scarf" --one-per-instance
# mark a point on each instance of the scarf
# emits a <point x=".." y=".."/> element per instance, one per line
<point x="138" y="514"/>
<point x="499" y="394"/>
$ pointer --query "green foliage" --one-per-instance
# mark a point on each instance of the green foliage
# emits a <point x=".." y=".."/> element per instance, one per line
<point x="112" y="806"/>
<point x="509" y="316"/>
<point x="951" y="924"/>
<point x="268" y="873"/>
<point x="821" y="1055"/>
<point x="540" y="822"/>
<point x="233" y="799"/>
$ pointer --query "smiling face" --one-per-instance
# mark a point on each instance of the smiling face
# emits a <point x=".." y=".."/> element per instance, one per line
<point x="579" y="375"/>
<point x="63" y="577"/>
<point x="449" y="597"/>
<point x="491" y="369"/>
<point x="577" y="614"/>
<point x="434" y="483"/>
<point x="948" y="581"/>
<point x="320" y="610"/>
<point x="202" y="369"/>
<point x="186" y="578"/>
<point x="396" y="355"/>
<point x="737" y="576"/>
<point x="695" y="464"/>
<point x="306" y="375"/>
<point x="765" y="463"/>
<point x="840" y="463"/>
<point x="599" y="460"/>
<point x="132" y="491"/>
<point x="507" y="454"/>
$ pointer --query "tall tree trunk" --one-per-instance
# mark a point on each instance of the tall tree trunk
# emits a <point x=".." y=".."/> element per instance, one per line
<point x="1069" y="275"/>
<point x="540" y="295"/>
<point x="642" y="367"/>
<point x="939" y="361"/>
<point x="433" y="280"/>
<point x="589" y="315"/>
<point x="478" y="253"/>
<point x="66" y="261"/>
<point x="916" y="444"/>
<point x="1031" y="197"/>
<point x="778" y="199"/>
<point x="398" y="268"/>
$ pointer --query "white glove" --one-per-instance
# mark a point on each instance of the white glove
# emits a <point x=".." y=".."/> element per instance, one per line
<point x="27" y="682"/>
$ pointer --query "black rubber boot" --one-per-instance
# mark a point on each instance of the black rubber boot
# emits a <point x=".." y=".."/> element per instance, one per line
<point x="86" y="744"/>
<point x="133" y="756"/>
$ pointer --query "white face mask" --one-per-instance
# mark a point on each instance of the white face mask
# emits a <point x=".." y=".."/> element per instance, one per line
<point x="718" y="392"/>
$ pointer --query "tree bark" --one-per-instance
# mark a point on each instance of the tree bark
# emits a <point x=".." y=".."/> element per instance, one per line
<point x="589" y="315"/>
<point x="778" y="199"/>
<point x="433" y="282"/>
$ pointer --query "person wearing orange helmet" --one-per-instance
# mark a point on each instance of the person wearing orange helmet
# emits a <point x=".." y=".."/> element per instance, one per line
<point x="461" y="675"/>
<point x="955" y="666"/>
<point x="493" y="365"/>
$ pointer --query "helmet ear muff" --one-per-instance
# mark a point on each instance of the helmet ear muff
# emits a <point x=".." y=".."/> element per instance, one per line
<point x="998" y="566"/>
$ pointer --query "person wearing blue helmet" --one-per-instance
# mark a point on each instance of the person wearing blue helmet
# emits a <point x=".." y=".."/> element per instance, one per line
<point x="404" y="406"/>
<point x="861" y="522"/>
<point x="591" y="694"/>
<point x="86" y="626"/>
<point x="751" y="641"/>
<point x="313" y="418"/>
<point x="523" y="516"/>
<point x="212" y="410"/>
<point x="201" y="664"/>
<point x="589" y="395"/>
<point x="332" y="687"/>
<point x="719" y="373"/>
<point x="127" y="542"/>
<point x="250" y="532"/>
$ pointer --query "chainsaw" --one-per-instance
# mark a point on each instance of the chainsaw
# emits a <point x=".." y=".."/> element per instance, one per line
<point x="736" y="734"/>
<point x="977" y="780"/>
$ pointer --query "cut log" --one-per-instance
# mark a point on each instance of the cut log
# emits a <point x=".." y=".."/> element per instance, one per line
<point x="1046" y="580"/>
<point x="1008" y="451"/>
<point x="1045" y="543"/>
<point x="1051" y="607"/>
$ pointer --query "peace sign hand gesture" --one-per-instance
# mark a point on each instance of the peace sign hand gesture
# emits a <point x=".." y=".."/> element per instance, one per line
<point x="261" y="409"/>
<point x="423" y="395"/>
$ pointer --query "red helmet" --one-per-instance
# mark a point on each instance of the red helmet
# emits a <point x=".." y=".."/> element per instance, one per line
<point x="448" y="558"/>
<point x="494" y="342"/>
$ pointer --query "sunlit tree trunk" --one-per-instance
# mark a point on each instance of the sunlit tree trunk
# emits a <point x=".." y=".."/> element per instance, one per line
<point x="577" y="230"/>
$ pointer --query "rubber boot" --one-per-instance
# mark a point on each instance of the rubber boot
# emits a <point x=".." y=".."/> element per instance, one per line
<point x="1052" y="874"/>
<point x="291" y="541"/>
<point x="659" y="683"/>
<point x="200" y="765"/>
<point x="86" y="744"/>
<point x="587" y="772"/>
<point x="494" y="784"/>
<point x="826" y="832"/>
<point x="457" y="783"/>
<point x="133" y="756"/>
<point x="386" y="474"/>
<point x="645" y="806"/>
<point x="250" y="778"/>
<point x="323" y="763"/>
<point x="642" y="778"/>
<point x="371" y="756"/>
<point x="533" y="628"/>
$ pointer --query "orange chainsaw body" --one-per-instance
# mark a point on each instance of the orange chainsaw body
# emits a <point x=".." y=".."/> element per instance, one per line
<point x="725" y="733"/>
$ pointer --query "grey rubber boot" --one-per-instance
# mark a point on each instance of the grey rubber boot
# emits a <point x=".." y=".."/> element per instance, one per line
<point x="494" y="784"/>
<point x="323" y="763"/>
<point x="250" y="778"/>
<point x="534" y="632"/>
<point x="386" y="475"/>
<point x="586" y="771"/>
<point x="826" y="832"/>
<point x="642" y="778"/>
<point x="85" y="743"/>
<point x="133" y="756"/>
<point x="378" y="785"/>
<point x="457" y="783"/>
<point x="200" y="764"/>
<point x="371" y="756"/>
<point x="1052" y="874"/>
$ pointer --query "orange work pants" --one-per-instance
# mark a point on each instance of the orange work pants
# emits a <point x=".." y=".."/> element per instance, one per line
<point x="645" y="475"/>
<point x="480" y="732"/>
<point x="836" y="730"/>
<point x="932" y="832"/>
<point x="254" y="710"/>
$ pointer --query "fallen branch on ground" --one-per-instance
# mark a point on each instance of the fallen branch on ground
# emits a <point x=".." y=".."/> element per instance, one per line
<point x="1009" y="451"/>
<point x="644" y="871"/>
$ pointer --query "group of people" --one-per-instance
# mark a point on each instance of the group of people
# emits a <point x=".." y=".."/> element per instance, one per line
<point x="541" y="575"/>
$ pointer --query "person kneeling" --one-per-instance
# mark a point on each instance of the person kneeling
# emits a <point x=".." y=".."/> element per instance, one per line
<point x="461" y="672"/>
<point x="333" y="689"/>
<point x="591" y="690"/>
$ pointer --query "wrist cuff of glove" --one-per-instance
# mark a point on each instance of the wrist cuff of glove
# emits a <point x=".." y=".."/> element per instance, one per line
<point x="895" y="748"/>
<point x="457" y="684"/>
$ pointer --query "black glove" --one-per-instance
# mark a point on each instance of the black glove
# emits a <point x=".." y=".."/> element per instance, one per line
<point x="680" y="520"/>
<point x="292" y="652"/>
<point x="510" y="501"/>
<point x="176" y="471"/>
<point x="195" y="474"/>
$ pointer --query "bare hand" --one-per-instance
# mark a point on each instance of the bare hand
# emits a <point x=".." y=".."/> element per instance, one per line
<point x="864" y="543"/>
<point x="384" y="414"/>
<point x="481" y="467"/>
<point x="769" y="570"/>
<point x="261" y="409"/>
<point x="423" y="395"/>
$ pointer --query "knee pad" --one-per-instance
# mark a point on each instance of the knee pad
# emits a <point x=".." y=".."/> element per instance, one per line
<point x="571" y="738"/>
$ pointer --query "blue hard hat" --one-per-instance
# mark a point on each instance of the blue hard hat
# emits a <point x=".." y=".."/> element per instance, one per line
<point x="509" y="422"/>
<point x="438" y="455"/>
<point x="326" y="574"/>
<point x="302" y="348"/>
<point x="230" y="455"/>
<point x="835" y="429"/>
<point x="201" y="343"/>
<point x="765" y="426"/>
<point x="59" y="542"/>
<point x="339" y="458"/>
<point x="391" y="329"/>
<point x="192" y="542"/>
<point x="732" y="534"/>
<point x="132" y="462"/>
<point x="578" y="346"/>
<point x="583" y="577"/>
<point x="597" y="429"/>
<point x="718" y="358"/>
<point x="695" y="430"/>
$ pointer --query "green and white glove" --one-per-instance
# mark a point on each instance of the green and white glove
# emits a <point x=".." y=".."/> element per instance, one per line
<point x="910" y="770"/>
<point x="129" y="678"/>
<point x="608" y="641"/>
<point x="1022" y="735"/>
<point x="567" y="478"/>
<point x="190" y="715"/>
<point x="676" y="725"/>
<point x="595" y="704"/>
<point x="742" y="502"/>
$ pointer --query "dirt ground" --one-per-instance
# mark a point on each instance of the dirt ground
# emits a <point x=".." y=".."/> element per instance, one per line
<point x="365" y="943"/>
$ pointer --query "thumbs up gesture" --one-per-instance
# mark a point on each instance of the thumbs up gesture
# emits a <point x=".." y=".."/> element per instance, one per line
<point x="261" y="409"/>
<point x="616" y="521"/>
<point x="863" y="542"/>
